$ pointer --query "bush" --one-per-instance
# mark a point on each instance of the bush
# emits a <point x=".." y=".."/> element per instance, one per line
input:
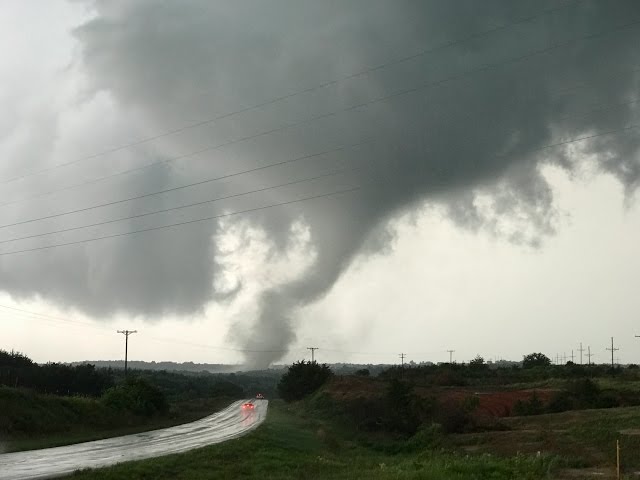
<point x="137" y="396"/>
<point x="302" y="379"/>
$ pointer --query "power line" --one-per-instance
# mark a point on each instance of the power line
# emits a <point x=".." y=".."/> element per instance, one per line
<point x="544" y="147"/>
<point x="408" y="91"/>
<point x="165" y="210"/>
<point x="189" y="185"/>
<point x="213" y="217"/>
<point x="54" y="319"/>
<point x="299" y="92"/>
<point x="264" y="167"/>
<point x="88" y="182"/>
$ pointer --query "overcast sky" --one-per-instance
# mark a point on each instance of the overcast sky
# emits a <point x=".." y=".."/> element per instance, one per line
<point x="419" y="177"/>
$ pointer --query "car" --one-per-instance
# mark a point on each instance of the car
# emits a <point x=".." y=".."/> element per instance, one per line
<point x="248" y="406"/>
<point x="260" y="396"/>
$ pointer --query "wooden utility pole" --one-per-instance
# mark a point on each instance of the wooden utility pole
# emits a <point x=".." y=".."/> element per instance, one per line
<point x="126" y="334"/>
<point x="313" y="349"/>
<point x="612" y="351"/>
<point x="581" y="350"/>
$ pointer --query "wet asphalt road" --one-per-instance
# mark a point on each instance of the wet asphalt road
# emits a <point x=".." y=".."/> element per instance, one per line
<point x="229" y="423"/>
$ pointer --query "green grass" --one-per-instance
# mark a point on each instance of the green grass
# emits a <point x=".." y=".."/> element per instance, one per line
<point x="288" y="446"/>
<point x="585" y="438"/>
<point x="31" y="421"/>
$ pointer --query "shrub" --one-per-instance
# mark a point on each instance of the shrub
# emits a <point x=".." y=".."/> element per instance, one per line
<point x="137" y="396"/>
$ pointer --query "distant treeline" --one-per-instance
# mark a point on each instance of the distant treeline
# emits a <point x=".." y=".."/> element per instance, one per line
<point x="18" y="370"/>
<point x="536" y="367"/>
<point x="199" y="368"/>
<point x="168" y="366"/>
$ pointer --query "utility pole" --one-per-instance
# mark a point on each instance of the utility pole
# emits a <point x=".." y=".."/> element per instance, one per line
<point x="402" y="356"/>
<point x="572" y="356"/>
<point x="589" y="354"/>
<point x="612" y="351"/>
<point x="581" y="350"/>
<point x="126" y="334"/>
<point x="313" y="349"/>
<point x="450" y="355"/>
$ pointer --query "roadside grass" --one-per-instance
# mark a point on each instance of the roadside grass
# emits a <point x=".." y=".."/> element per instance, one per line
<point x="586" y="438"/>
<point x="288" y="446"/>
<point x="31" y="421"/>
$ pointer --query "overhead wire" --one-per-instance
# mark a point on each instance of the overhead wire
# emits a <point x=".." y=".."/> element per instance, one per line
<point x="602" y="107"/>
<point x="189" y="185"/>
<point x="189" y="222"/>
<point x="408" y="91"/>
<point x="55" y="319"/>
<point x="563" y="91"/>
<point x="624" y="129"/>
<point x="181" y="207"/>
<point x="320" y="86"/>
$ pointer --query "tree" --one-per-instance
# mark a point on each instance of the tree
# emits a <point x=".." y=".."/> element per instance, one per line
<point x="535" y="360"/>
<point x="477" y="363"/>
<point x="303" y="378"/>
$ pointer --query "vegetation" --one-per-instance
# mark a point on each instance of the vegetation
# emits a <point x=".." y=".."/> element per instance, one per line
<point x="57" y="404"/>
<point x="536" y="360"/>
<point x="301" y="379"/>
<point x="17" y="370"/>
<point x="137" y="396"/>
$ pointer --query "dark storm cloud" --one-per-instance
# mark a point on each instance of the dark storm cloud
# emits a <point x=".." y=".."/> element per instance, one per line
<point x="174" y="63"/>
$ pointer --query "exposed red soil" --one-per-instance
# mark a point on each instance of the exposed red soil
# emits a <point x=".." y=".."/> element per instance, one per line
<point x="495" y="403"/>
<point x="492" y="403"/>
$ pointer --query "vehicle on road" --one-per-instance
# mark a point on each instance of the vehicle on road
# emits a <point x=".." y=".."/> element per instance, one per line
<point x="259" y="397"/>
<point x="248" y="406"/>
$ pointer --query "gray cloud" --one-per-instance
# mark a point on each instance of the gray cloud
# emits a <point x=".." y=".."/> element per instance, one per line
<point x="168" y="64"/>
